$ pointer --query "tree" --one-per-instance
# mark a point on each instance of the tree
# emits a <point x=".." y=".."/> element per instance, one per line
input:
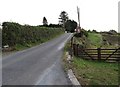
<point x="55" y="25"/>
<point x="63" y="18"/>
<point x="45" y="21"/>
<point x="70" y="25"/>
<point x="94" y="31"/>
<point x="113" y="32"/>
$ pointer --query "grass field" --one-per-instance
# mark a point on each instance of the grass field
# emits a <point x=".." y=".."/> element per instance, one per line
<point x="95" y="40"/>
<point x="90" y="72"/>
<point x="112" y="40"/>
<point x="95" y="73"/>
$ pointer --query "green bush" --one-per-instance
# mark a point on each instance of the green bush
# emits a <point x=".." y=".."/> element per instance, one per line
<point x="83" y="32"/>
<point x="14" y="33"/>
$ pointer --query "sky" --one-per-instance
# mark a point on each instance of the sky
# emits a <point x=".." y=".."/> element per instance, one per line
<point x="100" y="15"/>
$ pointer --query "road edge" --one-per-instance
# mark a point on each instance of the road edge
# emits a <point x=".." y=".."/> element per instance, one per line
<point x="70" y="73"/>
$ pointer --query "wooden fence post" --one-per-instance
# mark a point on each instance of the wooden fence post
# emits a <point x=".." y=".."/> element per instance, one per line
<point x="71" y="49"/>
<point x="99" y="53"/>
<point x="77" y="48"/>
<point x="71" y="42"/>
<point x="74" y="46"/>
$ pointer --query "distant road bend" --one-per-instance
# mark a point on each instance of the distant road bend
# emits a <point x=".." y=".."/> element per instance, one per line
<point x="39" y="65"/>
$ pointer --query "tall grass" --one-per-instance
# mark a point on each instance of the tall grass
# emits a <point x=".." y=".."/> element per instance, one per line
<point x="95" y="39"/>
<point x="96" y="73"/>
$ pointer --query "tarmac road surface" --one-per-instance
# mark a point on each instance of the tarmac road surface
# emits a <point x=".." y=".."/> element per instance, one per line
<point x="39" y="65"/>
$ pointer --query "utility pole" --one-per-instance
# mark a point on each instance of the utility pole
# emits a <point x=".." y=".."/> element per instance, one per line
<point x="78" y="28"/>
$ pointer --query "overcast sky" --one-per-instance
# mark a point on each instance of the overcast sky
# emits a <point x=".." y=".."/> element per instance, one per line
<point x="101" y="15"/>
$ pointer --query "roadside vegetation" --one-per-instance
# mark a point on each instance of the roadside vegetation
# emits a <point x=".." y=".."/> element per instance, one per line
<point x="94" y="73"/>
<point x="95" y="40"/>
<point x="19" y="37"/>
<point x="110" y="40"/>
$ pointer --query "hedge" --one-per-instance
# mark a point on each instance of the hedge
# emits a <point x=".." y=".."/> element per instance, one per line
<point x="14" y="33"/>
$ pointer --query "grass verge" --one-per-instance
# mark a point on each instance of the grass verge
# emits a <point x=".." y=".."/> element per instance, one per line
<point x="95" y="39"/>
<point x="95" y="73"/>
<point x="92" y="72"/>
<point x="19" y="47"/>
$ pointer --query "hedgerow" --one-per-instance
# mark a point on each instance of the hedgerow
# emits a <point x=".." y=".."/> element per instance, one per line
<point x="14" y="33"/>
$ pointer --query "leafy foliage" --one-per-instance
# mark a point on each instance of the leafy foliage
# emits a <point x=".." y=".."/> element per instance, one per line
<point x="82" y="33"/>
<point x="113" y="32"/>
<point x="51" y="26"/>
<point x="14" y="33"/>
<point x="45" y="23"/>
<point x="63" y="18"/>
<point x="55" y="25"/>
<point x="70" y="25"/>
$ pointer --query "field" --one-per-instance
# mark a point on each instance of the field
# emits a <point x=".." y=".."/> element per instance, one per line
<point x="90" y="72"/>
<point x="95" y="73"/>
<point x="94" y="39"/>
<point x="110" y="41"/>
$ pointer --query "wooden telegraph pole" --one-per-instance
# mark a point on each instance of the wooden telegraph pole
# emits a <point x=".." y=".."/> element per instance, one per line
<point x="78" y="27"/>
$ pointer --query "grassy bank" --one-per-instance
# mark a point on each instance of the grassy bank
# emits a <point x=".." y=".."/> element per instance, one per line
<point x="19" y="47"/>
<point x="19" y="37"/>
<point x="95" y="73"/>
<point x="92" y="72"/>
<point x="94" y="40"/>
<point x="28" y="45"/>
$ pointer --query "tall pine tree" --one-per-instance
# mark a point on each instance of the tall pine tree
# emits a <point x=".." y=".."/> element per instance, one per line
<point x="45" y="21"/>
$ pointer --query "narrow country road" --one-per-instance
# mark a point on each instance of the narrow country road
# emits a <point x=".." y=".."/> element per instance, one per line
<point x="39" y="65"/>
